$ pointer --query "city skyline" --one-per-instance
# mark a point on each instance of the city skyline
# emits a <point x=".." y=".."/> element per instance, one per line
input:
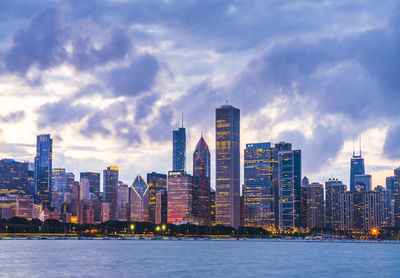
<point x="81" y="94"/>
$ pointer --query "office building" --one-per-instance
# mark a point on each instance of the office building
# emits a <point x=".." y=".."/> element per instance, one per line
<point x="201" y="183"/>
<point x="288" y="214"/>
<point x="157" y="183"/>
<point x="161" y="207"/>
<point x="356" y="168"/>
<point x="179" y="149"/>
<point x="363" y="182"/>
<point x="139" y="200"/>
<point x="14" y="178"/>
<point x="43" y="169"/>
<point x="94" y="183"/>
<point x="123" y="201"/>
<point x="396" y="196"/>
<point x="110" y="187"/>
<point x="227" y="166"/>
<point x="260" y="184"/>
<point x="180" y="197"/>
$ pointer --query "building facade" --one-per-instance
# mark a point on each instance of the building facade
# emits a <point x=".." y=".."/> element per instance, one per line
<point x="43" y="169"/>
<point x="315" y="205"/>
<point x="333" y="189"/>
<point x="260" y="185"/>
<point x="227" y="166"/>
<point x="157" y="182"/>
<point x="14" y="178"/>
<point x="110" y="188"/>
<point x="180" y="197"/>
<point x="94" y="183"/>
<point x="356" y="168"/>
<point x="179" y="149"/>
<point x="139" y="200"/>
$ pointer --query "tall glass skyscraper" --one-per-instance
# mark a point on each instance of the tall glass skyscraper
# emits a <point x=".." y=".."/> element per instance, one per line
<point x="157" y="183"/>
<point x="201" y="183"/>
<point x="260" y="183"/>
<point x="110" y="188"/>
<point x="356" y="168"/>
<point x="179" y="149"/>
<point x="289" y="192"/>
<point x="227" y="156"/>
<point x="94" y="183"/>
<point x="43" y="168"/>
<point x="139" y="200"/>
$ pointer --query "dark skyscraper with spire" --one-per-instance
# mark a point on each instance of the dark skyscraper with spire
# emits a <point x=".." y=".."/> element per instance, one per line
<point x="356" y="168"/>
<point x="201" y="183"/>
<point x="43" y="168"/>
<point x="227" y="126"/>
<point x="179" y="149"/>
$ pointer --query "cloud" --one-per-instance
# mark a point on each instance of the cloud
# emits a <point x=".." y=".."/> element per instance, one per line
<point x="138" y="77"/>
<point x="391" y="148"/>
<point x="60" y="113"/>
<point x="161" y="128"/>
<point x="40" y="45"/>
<point x="13" y="117"/>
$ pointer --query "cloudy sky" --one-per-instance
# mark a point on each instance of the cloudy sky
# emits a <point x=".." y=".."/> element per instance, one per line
<point x="110" y="79"/>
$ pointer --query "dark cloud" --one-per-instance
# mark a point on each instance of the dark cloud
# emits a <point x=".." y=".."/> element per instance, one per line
<point x="138" y="77"/>
<point x="13" y="117"/>
<point x="391" y="148"/>
<point x="161" y="128"/>
<point x="144" y="106"/>
<point x="39" y="45"/>
<point x="60" y="113"/>
<point x="86" y="56"/>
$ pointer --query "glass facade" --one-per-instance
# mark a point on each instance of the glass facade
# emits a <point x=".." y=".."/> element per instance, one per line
<point x="157" y="182"/>
<point x="260" y="183"/>
<point x="94" y="183"/>
<point x="179" y="149"/>
<point x="201" y="183"/>
<point x="43" y="169"/>
<point x="139" y="200"/>
<point x="227" y="166"/>
<point x="110" y="184"/>
<point x="356" y="168"/>
<point x="289" y="191"/>
<point x="396" y="196"/>
<point x="14" y="178"/>
<point x="180" y="197"/>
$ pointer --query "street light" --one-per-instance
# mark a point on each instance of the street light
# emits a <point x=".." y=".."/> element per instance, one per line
<point x="132" y="228"/>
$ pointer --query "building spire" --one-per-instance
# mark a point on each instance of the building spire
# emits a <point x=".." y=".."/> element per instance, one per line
<point x="201" y="134"/>
<point x="182" y="119"/>
<point x="353" y="147"/>
<point x="360" y="144"/>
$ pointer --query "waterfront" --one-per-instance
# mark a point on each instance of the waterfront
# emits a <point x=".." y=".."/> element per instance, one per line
<point x="190" y="258"/>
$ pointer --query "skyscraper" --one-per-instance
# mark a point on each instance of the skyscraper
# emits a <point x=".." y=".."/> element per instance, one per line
<point x="123" y="201"/>
<point x="94" y="183"/>
<point x="201" y="183"/>
<point x="227" y="166"/>
<point x="289" y="191"/>
<point x="315" y="205"/>
<point x="14" y="178"/>
<point x="333" y="189"/>
<point x="84" y="194"/>
<point x="396" y="196"/>
<point x="43" y="169"/>
<point x="157" y="182"/>
<point x="180" y="197"/>
<point x="139" y="200"/>
<point x="260" y="184"/>
<point x="179" y="149"/>
<point x="356" y="168"/>
<point x="110" y="184"/>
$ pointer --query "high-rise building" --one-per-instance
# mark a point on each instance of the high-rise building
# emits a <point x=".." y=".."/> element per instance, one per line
<point x="14" y="178"/>
<point x="84" y="194"/>
<point x="110" y="188"/>
<point x="315" y="205"/>
<point x="43" y="169"/>
<point x="359" y="210"/>
<point x="157" y="182"/>
<point x="386" y="207"/>
<point x="260" y="184"/>
<point x="94" y="183"/>
<point x="123" y="201"/>
<point x="396" y="196"/>
<point x="363" y="182"/>
<point x="161" y="207"/>
<point x="289" y="191"/>
<point x="356" y="168"/>
<point x="180" y="197"/>
<point x="179" y="149"/>
<point x="390" y="184"/>
<point x="201" y="183"/>
<point x="139" y="200"/>
<point x="333" y="189"/>
<point x="304" y="182"/>
<point x="227" y="149"/>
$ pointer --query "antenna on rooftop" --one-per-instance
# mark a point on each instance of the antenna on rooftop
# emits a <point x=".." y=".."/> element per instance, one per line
<point x="182" y="119"/>
<point x="353" y="147"/>
<point x="360" y="144"/>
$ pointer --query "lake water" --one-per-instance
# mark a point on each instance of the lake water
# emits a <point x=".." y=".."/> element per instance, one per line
<point x="145" y="258"/>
